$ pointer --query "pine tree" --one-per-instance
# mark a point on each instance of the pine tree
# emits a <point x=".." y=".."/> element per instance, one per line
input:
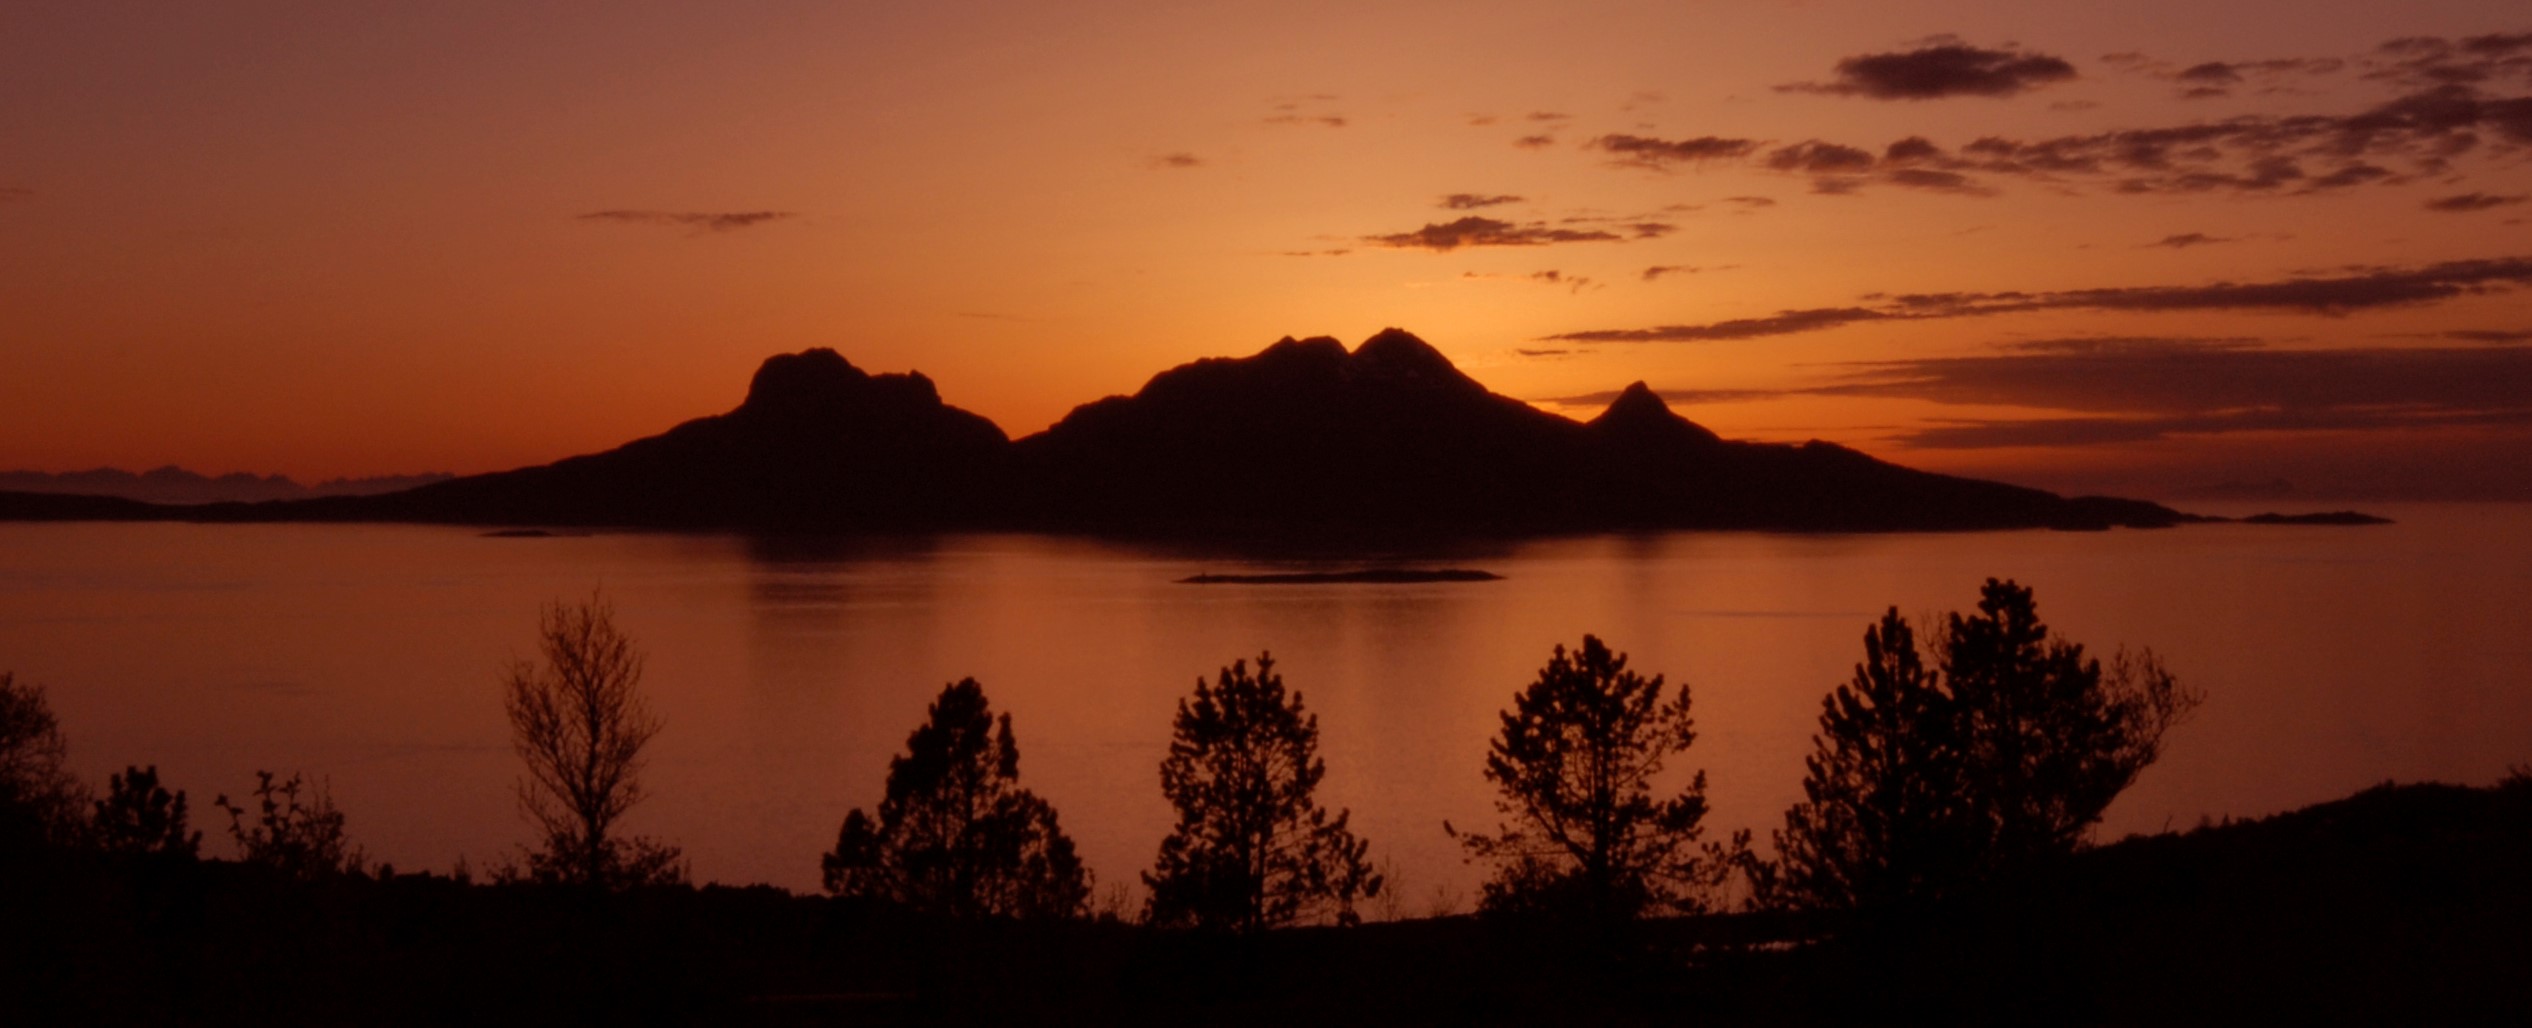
<point x="1252" y="848"/>
<point x="956" y="835"/>
<point x="1575" y="763"/>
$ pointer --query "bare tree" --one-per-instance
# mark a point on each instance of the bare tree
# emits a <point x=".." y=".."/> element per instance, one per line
<point x="579" y="721"/>
<point x="40" y="801"/>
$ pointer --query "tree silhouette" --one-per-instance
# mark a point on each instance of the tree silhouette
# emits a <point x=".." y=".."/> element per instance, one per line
<point x="1922" y="782"/>
<point x="1575" y="764"/>
<point x="40" y="801"/>
<point x="956" y="835"/>
<point x="579" y="722"/>
<point x="1252" y="848"/>
<point x="297" y="830"/>
<point x="2050" y="738"/>
<point x="1883" y="817"/>
<point x="140" y="819"/>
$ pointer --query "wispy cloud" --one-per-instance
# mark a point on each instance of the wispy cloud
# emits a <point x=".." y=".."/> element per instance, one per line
<point x="1661" y="154"/>
<point x="702" y="221"/>
<point x="1934" y="72"/>
<point x="2468" y="202"/>
<point x="2186" y="240"/>
<point x="1474" y="201"/>
<point x="1176" y="161"/>
<point x="2360" y="290"/>
<point x="1477" y="231"/>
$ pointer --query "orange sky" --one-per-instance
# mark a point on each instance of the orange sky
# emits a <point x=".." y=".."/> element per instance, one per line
<point x="330" y="239"/>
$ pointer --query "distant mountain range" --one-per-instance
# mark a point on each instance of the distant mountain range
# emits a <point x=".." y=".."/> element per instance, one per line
<point x="173" y="484"/>
<point x="1386" y="441"/>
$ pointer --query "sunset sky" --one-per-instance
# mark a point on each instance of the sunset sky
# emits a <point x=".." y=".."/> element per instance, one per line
<point x="2153" y="248"/>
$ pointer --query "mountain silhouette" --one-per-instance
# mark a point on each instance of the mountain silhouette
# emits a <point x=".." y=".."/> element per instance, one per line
<point x="1386" y="441"/>
<point x="818" y="443"/>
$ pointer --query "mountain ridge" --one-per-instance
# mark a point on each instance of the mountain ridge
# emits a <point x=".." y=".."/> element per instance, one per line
<point x="1386" y="441"/>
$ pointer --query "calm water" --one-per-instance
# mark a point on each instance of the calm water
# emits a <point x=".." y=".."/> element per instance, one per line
<point x="789" y="672"/>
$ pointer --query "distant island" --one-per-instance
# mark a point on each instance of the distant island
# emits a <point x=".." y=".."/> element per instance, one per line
<point x="2336" y="517"/>
<point x="175" y="485"/>
<point x="1384" y="443"/>
<point x="1372" y="576"/>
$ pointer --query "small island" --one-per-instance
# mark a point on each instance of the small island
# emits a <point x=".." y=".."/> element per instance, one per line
<point x="1367" y="576"/>
<point x="2336" y="517"/>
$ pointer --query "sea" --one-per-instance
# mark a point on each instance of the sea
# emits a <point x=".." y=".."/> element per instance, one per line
<point x="787" y="671"/>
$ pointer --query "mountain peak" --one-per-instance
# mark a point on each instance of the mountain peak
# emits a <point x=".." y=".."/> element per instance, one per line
<point x="806" y="381"/>
<point x="1639" y="410"/>
<point x="1397" y="355"/>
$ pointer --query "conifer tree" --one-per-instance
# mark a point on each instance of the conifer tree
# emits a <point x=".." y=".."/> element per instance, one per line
<point x="1575" y="764"/>
<point x="956" y="835"/>
<point x="1252" y="848"/>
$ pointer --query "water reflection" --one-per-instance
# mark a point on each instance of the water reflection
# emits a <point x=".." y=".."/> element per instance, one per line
<point x="789" y="669"/>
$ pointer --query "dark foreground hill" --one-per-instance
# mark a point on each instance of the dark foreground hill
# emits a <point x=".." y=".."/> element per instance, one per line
<point x="1386" y="440"/>
<point x="2400" y="905"/>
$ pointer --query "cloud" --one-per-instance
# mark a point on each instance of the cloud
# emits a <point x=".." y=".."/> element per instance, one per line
<point x="1818" y="158"/>
<point x="1751" y="202"/>
<point x="1177" y="160"/>
<point x="2425" y="130"/>
<point x="2467" y="202"/>
<point x="1659" y="270"/>
<point x="1936" y="181"/>
<point x="1934" y="72"/>
<point x="1542" y="353"/>
<point x="1779" y="324"/>
<point x="2357" y="290"/>
<point x="2490" y="335"/>
<point x="2130" y="390"/>
<point x="1473" y="201"/>
<point x="1327" y="120"/>
<point x="1605" y="397"/>
<point x="1660" y="154"/>
<point x="2469" y="61"/>
<point x="1550" y="116"/>
<point x="2186" y="240"/>
<point x="701" y="221"/>
<point x="1535" y="142"/>
<point x="1477" y="231"/>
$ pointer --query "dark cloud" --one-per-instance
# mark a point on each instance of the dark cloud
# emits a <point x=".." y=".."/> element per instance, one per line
<point x="1338" y="252"/>
<point x="1177" y="160"/>
<point x="1818" y="158"/>
<point x="2186" y="240"/>
<point x="2220" y="78"/>
<point x="1751" y="202"/>
<point x="2424" y="130"/>
<point x="1933" y="72"/>
<point x="1779" y="324"/>
<point x="1679" y="396"/>
<point x="1659" y="270"/>
<point x="2428" y="61"/>
<point x="1535" y="142"/>
<point x="2490" y="335"/>
<point x="699" y="220"/>
<point x="2467" y="202"/>
<point x="2137" y="389"/>
<point x="1542" y="353"/>
<point x="1473" y="201"/>
<point x="1477" y="231"/>
<point x="1660" y="154"/>
<point x="1936" y="181"/>
<point x="2357" y="290"/>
